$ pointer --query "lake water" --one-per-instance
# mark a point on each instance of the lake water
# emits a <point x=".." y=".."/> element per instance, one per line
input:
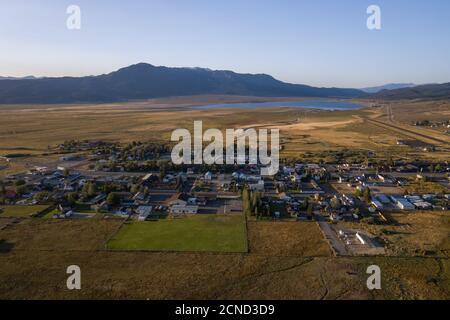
<point x="309" y="104"/>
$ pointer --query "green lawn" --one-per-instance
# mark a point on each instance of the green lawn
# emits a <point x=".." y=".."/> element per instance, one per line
<point x="20" y="211"/>
<point x="50" y="214"/>
<point x="215" y="233"/>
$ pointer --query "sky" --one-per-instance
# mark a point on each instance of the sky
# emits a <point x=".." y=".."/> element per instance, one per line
<point x="315" y="42"/>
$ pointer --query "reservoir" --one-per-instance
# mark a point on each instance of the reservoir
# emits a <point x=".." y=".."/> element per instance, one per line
<point x="309" y="104"/>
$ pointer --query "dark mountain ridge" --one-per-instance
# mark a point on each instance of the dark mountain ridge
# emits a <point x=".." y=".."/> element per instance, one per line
<point x="427" y="91"/>
<point x="145" y="81"/>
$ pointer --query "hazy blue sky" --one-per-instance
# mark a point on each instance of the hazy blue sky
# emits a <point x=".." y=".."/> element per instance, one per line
<point x="316" y="42"/>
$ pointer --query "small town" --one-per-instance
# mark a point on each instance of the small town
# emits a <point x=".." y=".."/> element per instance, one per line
<point x="127" y="182"/>
<point x="225" y="159"/>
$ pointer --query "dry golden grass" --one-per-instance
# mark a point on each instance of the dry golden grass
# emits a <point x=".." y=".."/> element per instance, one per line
<point x="50" y="234"/>
<point x="35" y="254"/>
<point x="298" y="239"/>
<point x="31" y="129"/>
<point x="425" y="233"/>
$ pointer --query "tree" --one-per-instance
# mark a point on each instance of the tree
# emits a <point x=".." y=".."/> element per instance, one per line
<point x="66" y="172"/>
<point x="90" y="189"/>
<point x="367" y="196"/>
<point x="2" y="192"/>
<point x="335" y="203"/>
<point x="113" y="199"/>
<point x="162" y="170"/>
<point x="256" y="202"/>
<point x="20" y="190"/>
<point x="246" y="201"/>
<point x="19" y="183"/>
<point x="305" y="203"/>
<point x="309" y="210"/>
<point x="179" y="184"/>
<point x="135" y="188"/>
<point x="72" y="197"/>
<point x="41" y="196"/>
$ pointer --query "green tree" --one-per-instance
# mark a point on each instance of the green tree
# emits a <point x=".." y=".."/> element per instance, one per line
<point x="19" y="183"/>
<point x="113" y="199"/>
<point x="20" y="190"/>
<point x="2" y="192"/>
<point x="335" y="203"/>
<point x="134" y="188"/>
<point x="358" y="193"/>
<point x="66" y="172"/>
<point x="309" y="210"/>
<point x="256" y="202"/>
<point x="72" y="197"/>
<point x="41" y="196"/>
<point x="367" y="196"/>
<point x="246" y="201"/>
<point x="90" y="189"/>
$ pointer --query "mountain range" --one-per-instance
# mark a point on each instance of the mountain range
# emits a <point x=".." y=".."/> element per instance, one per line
<point x="389" y="86"/>
<point x="18" y="78"/>
<point x="145" y="81"/>
<point x="427" y="91"/>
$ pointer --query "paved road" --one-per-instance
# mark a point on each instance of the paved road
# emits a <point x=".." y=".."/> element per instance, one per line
<point x="333" y="239"/>
<point x="408" y="132"/>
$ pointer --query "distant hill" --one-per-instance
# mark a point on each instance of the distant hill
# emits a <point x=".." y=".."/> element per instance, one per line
<point x="18" y="78"/>
<point x="428" y="91"/>
<point x="145" y="81"/>
<point x="390" y="86"/>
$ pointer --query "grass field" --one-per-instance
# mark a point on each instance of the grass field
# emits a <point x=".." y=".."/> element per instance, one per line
<point x="425" y="233"/>
<point x="32" y="129"/>
<point x="284" y="260"/>
<point x="213" y="233"/>
<point x="300" y="239"/>
<point x="20" y="211"/>
<point x="35" y="253"/>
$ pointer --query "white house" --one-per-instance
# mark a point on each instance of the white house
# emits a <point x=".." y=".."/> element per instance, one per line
<point x="144" y="212"/>
<point x="180" y="209"/>
<point x="259" y="186"/>
<point x="404" y="204"/>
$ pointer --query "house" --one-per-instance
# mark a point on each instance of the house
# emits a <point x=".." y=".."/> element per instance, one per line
<point x="360" y="238"/>
<point x="208" y="176"/>
<point x="383" y="199"/>
<point x="149" y="178"/>
<point x="178" y="199"/>
<point x="205" y="196"/>
<point x="259" y="186"/>
<point x="98" y="199"/>
<point x="183" y="209"/>
<point x="403" y="204"/>
<point x="423" y="205"/>
<point x="385" y="178"/>
<point x="192" y="201"/>
<point x="141" y="199"/>
<point x="377" y="204"/>
<point x="288" y="170"/>
<point x="143" y="212"/>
